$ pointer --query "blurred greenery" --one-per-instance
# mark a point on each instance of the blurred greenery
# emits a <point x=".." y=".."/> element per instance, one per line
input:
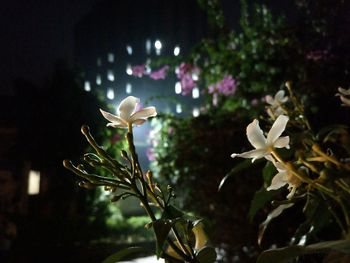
<point x="193" y="154"/>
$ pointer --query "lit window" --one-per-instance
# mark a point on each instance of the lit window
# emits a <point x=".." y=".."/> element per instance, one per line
<point x="178" y="88"/>
<point x="128" y="88"/>
<point x="158" y="46"/>
<point x="129" y="49"/>
<point x="110" y="75"/>
<point x="110" y="57"/>
<point x="195" y="112"/>
<point x="98" y="79"/>
<point x="128" y="70"/>
<point x="148" y="46"/>
<point x="34" y="182"/>
<point x="99" y="62"/>
<point x="176" y="51"/>
<point x="87" y="86"/>
<point x="178" y="108"/>
<point x="110" y="94"/>
<point x="194" y="76"/>
<point x="195" y="93"/>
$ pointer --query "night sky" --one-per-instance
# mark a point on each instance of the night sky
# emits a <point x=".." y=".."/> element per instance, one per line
<point x="35" y="34"/>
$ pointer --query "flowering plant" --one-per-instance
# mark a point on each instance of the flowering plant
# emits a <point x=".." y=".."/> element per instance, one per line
<point x="180" y="238"/>
<point x="316" y="170"/>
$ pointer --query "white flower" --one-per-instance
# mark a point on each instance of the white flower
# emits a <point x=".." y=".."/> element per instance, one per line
<point x="264" y="146"/>
<point x="278" y="100"/>
<point x="282" y="178"/>
<point x="344" y="96"/>
<point x="127" y="113"/>
<point x="275" y="109"/>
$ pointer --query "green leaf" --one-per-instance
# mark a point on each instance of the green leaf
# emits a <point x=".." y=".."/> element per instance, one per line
<point x="338" y="245"/>
<point x="161" y="229"/>
<point x="238" y="168"/>
<point x="269" y="172"/>
<point x="284" y="254"/>
<point x="116" y="257"/>
<point x="172" y="212"/>
<point x="280" y="255"/>
<point x="206" y="255"/>
<point x="273" y="214"/>
<point x="260" y="199"/>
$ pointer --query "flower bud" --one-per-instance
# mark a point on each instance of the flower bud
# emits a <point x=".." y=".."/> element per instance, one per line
<point x="85" y="129"/>
<point x="86" y="185"/>
<point x="67" y="164"/>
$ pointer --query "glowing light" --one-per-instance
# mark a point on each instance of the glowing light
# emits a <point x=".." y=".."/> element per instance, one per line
<point x="158" y="44"/>
<point x="128" y="70"/>
<point x="110" y="94"/>
<point x="110" y="57"/>
<point x="99" y="62"/>
<point x="195" y="93"/>
<point x="176" y="51"/>
<point x="34" y="182"/>
<point x="128" y="88"/>
<point x="129" y="49"/>
<point x="110" y="75"/>
<point x="148" y="46"/>
<point x="178" y="88"/>
<point x="98" y="79"/>
<point x="195" y="112"/>
<point x="194" y="76"/>
<point x="178" y="108"/>
<point x="87" y="86"/>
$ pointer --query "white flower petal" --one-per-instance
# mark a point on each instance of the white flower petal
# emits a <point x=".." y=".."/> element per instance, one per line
<point x="277" y="128"/>
<point x="269" y="99"/>
<point x="280" y="167"/>
<point x="138" y="121"/>
<point x="344" y="91"/>
<point x="127" y="107"/>
<point x="254" y="154"/>
<point x="109" y="116"/>
<point x="282" y="142"/>
<point x="292" y="189"/>
<point x="345" y="100"/>
<point x="144" y="114"/>
<point x="278" y="181"/>
<point x="279" y="95"/>
<point x="117" y="125"/>
<point x="255" y="135"/>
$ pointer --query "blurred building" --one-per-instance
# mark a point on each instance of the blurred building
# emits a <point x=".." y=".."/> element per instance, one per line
<point x="117" y="35"/>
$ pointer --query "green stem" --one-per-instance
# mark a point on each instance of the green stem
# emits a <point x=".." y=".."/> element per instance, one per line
<point x="143" y="196"/>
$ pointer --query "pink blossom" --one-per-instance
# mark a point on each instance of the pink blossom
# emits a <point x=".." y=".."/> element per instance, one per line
<point x="254" y="102"/>
<point x="188" y="76"/>
<point x="150" y="154"/>
<point x="227" y="86"/>
<point x="187" y="84"/>
<point x="184" y="68"/>
<point x="139" y="70"/>
<point x="160" y="73"/>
